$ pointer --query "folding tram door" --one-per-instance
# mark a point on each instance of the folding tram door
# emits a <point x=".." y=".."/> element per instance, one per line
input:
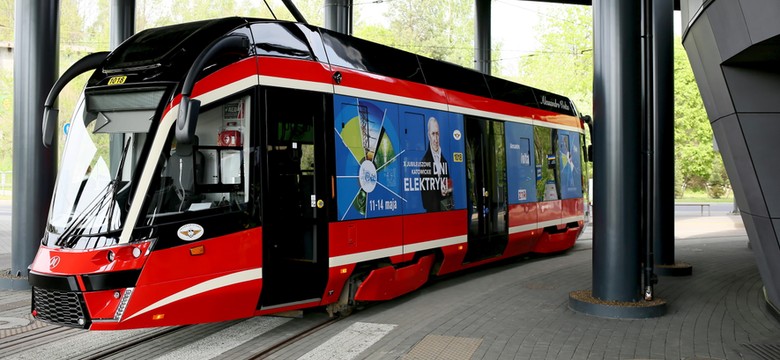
<point x="295" y="260"/>
<point x="486" y="184"/>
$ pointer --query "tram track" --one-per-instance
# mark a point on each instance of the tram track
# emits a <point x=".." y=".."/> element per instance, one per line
<point x="129" y="344"/>
<point x="267" y="336"/>
<point x="287" y="342"/>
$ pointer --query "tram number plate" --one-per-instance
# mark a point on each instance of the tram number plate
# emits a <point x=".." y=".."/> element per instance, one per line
<point x="457" y="157"/>
<point x="117" y="80"/>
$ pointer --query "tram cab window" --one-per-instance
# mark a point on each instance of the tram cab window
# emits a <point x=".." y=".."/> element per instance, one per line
<point x="212" y="172"/>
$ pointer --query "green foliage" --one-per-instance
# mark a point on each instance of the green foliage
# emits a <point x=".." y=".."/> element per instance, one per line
<point x="6" y="88"/>
<point x="679" y="190"/>
<point x="694" y="153"/>
<point x="563" y="63"/>
<point x="719" y="181"/>
<point x="6" y="120"/>
<point x="84" y="29"/>
<point x="441" y="30"/>
<point x="154" y="13"/>
<point x="7" y="20"/>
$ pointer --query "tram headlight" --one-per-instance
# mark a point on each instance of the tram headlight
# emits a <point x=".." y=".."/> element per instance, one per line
<point x="136" y="252"/>
<point x="110" y="256"/>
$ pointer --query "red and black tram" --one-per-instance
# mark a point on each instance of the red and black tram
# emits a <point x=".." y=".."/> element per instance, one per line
<point x="236" y="167"/>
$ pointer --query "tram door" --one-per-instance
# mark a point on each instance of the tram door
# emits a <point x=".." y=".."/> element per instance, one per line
<point x="487" y="194"/>
<point x="294" y="222"/>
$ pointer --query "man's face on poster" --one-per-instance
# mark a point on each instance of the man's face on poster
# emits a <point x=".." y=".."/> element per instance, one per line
<point x="433" y="134"/>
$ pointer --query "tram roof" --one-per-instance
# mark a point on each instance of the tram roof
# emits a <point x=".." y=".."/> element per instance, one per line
<point x="164" y="54"/>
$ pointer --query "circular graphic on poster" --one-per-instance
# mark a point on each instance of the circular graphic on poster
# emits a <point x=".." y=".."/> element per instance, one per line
<point x="366" y="158"/>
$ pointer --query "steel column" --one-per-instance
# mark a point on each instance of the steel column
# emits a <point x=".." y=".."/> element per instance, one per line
<point x="338" y="16"/>
<point x="663" y="121"/>
<point x="35" y="71"/>
<point x="482" y="36"/>
<point x="122" y="21"/>
<point x="616" y="176"/>
<point x="122" y="26"/>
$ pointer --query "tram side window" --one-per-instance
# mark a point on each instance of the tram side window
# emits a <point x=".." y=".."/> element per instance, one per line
<point x="547" y="177"/>
<point x="212" y="171"/>
<point x="569" y="165"/>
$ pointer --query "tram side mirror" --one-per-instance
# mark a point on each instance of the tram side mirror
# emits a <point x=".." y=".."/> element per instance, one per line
<point x="187" y="120"/>
<point x="49" y="122"/>
<point x="89" y="62"/>
<point x="588" y="120"/>
<point x="590" y="153"/>
<point x="188" y="108"/>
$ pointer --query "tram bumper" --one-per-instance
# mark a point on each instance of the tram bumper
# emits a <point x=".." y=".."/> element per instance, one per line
<point x="80" y="288"/>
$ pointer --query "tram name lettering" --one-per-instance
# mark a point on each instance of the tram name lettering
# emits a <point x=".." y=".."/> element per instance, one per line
<point x="560" y="104"/>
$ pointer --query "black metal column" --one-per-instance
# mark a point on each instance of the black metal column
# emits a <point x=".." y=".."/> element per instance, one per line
<point x="617" y="146"/>
<point x="122" y="26"/>
<point x="616" y="170"/>
<point x="663" y="123"/>
<point x="122" y="21"/>
<point x="482" y="56"/>
<point x="338" y="16"/>
<point x="35" y="71"/>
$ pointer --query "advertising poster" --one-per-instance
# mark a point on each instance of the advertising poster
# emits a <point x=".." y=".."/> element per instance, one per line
<point x="367" y="159"/>
<point x="520" y="163"/>
<point x="569" y="164"/>
<point x="434" y="160"/>
<point x="393" y="160"/>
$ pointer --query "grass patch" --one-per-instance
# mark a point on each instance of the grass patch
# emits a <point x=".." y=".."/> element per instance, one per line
<point x="702" y="197"/>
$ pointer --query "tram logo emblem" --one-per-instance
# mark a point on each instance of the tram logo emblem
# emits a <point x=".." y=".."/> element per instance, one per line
<point x="190" y="232"/>
<point x="54" y="261"/>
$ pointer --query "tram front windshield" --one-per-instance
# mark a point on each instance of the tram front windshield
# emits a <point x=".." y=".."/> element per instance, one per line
<point x="94" y="184"/>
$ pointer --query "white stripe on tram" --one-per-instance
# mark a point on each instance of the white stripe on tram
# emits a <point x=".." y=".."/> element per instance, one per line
<point x="213" y="284"/>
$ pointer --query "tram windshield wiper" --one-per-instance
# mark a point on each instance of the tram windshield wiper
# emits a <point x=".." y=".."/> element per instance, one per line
<point x="106" y="197"/>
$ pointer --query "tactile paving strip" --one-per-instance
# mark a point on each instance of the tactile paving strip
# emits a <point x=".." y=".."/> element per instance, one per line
<point x="434" y="347"/>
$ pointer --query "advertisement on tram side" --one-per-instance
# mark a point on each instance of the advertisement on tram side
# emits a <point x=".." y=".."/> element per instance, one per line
<point x="393" y="160"/>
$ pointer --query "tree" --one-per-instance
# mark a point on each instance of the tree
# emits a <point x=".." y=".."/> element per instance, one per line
<point x="694" y="153"/>
<point x="154" y="13"/>
<point x="718" y="184"/>
<point x="6" y="88"/>
<point x="84" y="29"/>
<point x="441" y="30"/>
<point x="7" y="20"/>
<point x="563" y="64"/>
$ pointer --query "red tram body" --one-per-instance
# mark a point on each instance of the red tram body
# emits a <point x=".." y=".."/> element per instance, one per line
<point x="313" y="170"/>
